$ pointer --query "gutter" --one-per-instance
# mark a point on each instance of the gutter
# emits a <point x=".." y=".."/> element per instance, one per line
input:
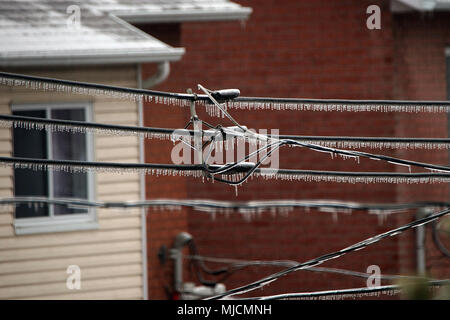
<point x="399" y="6"/>
<point x="185" y="15"/>
<point x="129" y="57"/>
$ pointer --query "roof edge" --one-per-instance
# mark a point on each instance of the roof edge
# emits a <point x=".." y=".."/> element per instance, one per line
<point x="186" y="16"/>
<point x="175" y="54"/>
<point x="401" y="6"/>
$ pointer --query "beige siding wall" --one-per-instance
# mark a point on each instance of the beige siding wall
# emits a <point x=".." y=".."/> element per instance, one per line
<point x="110" y="258"/>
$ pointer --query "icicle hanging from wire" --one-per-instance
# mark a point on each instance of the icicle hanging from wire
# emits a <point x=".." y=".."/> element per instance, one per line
<point x="197" y="172"/>
<point x="364" y="178"/>
<point x="84" y="167"/>
<point x="251" y="103"/>
<point x="368" y="144"/>
<point x="91" y="89"/>
<point x="77" y="129"/>
<point x="244" y="103"/>
<point x="56" y="125"/>
<point x="385" y="291"/>
<point x="248" y="210"/>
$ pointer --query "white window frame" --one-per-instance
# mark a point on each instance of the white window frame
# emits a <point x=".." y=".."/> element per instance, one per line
<point x="69" y="222"/>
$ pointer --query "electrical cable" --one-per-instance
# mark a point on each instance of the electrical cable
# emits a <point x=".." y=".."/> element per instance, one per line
<point x="257" y="103"/>
<point x="15" y="121"/>
<point x="344" y="153"/>
<point x="168" y="131"/>
<point x="79" y="87"/>
<point x="337" y="105"/>
<point x="199" y="266"/>
<point x="332" y="151"/>
<point x="179" y="99"/>
<point x="333" y="255"/>
<point x="72" y="126"/>
<point x="196" y="170"/>
<point x="237" y="263"/>
<point x="345" y="293"/>
<point x="228" y="206"/>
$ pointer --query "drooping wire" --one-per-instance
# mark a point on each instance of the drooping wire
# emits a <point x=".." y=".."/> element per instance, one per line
<point x="239" y="264"/>
<point x="33" y="123"/>
<point x="196" y="170"/>
<point x="36" y="123"/>
<point x="197" y="267"/>
<point x="80" y="166"/>
<point x="78" y="87"/>
<point x="333" y="255"/>
<point x="248" y="103"/>
<point x="228" y="206"/>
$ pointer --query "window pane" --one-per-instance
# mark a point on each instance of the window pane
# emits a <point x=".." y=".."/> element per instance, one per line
<point x="69" y="146"/>
<point x="30" y="144"/>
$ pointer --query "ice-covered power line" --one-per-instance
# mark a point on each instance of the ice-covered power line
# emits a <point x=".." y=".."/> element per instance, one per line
<point x="239" y="264"/>
<point x="338" y="105"/>
<point x="72" y="126"/>
<point x="348" y="142"/>
<point x="215" y="206"/>
<point x="32" y="123"/>
<point x="230" y="98"/>
<point x="277" y="143"/>
<point x="333" y="255"/>
<point x="79" y="126"/>
<point x="353" y="293"/>
<point x="237" y="173"/>
<point x="95" y="89"/>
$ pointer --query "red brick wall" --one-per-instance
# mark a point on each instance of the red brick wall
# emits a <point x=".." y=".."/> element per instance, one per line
<point x="317" y="49"/>
<point x="420" y="74"/>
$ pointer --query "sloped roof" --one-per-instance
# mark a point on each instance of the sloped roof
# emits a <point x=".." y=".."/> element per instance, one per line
<point x="37" y="32"/>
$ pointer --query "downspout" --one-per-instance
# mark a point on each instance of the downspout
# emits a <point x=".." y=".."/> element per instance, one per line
<point x="420" y="244"/>
<point x="161" y="75"/>
<point x="142" y="193"/>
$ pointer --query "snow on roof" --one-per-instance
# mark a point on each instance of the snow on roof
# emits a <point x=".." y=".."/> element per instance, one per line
<point x="43" y="32"/>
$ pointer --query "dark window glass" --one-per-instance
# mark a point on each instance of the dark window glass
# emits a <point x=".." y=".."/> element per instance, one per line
<point x="58" y="184"/>
<point x="30" y="144"/>
<point x="69" y="146"/>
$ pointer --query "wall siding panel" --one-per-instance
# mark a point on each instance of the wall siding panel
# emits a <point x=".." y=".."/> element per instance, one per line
<point x="34" y="266"/>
